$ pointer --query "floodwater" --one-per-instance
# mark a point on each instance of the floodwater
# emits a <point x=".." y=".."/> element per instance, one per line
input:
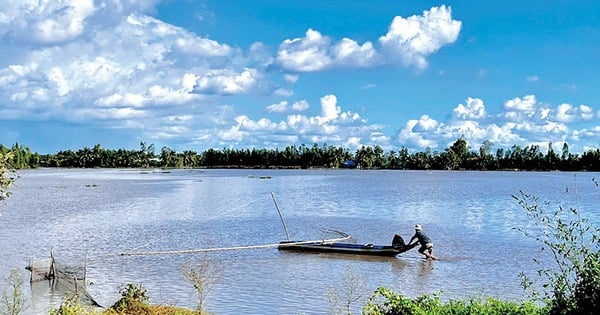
<point x="470" y="216"/>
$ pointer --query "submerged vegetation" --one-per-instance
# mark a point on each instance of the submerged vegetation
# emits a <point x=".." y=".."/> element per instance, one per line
<point x="457" y="156"/>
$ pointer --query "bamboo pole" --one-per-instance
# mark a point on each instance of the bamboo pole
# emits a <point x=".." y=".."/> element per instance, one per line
<point x="281" y="217"/>
<point x="205" y="250"/>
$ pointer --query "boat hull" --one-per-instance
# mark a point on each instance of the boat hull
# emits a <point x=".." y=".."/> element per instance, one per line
<point x="343" y="248"/>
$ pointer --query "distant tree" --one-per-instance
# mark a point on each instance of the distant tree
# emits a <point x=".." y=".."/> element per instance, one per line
<point x="403" y="158"/>
<point x="486" y="160"/>
<point x="456" y="156"/>
<point x="590" y="160"/>
<point x="190" y="159"/>
<point x="167" y="155"/>
<point x="552" y="160"/>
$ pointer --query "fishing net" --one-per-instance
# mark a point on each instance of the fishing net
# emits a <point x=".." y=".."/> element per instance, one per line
<point x="67" y="278"/>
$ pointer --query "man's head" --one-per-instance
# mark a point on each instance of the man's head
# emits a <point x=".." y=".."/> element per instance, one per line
<point x="418" y="227"/>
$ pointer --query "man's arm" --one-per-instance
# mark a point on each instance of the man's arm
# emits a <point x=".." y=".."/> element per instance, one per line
<point x="411" y="239"/>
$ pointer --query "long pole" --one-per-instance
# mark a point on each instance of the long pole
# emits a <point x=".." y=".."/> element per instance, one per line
<point x="281" y="217"/>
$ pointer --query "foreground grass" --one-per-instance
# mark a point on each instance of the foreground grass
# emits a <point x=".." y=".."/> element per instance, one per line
<point x="135" y="308"/>
<point x="133" y="301"/>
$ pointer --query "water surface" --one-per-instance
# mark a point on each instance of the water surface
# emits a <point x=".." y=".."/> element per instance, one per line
<point x="100" y="213"/>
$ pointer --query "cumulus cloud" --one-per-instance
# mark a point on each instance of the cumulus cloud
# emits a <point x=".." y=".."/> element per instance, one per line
<point x="331" y="125"/>
<point x="309" y="53"/>
<point x="227" y="82"/>
<point x="280" y="107"/>
<point x="410" y="40"/>
<point x="420" y="133"/>
<point x="283" y="107"/>
<point x="131" y="64"/>
<point x="568" y="113"/>
<point x="526" y="104"/>
<point x="50" y="22"/>
<point x="329" y="108"/>
<point x="45" y="22"/>
<point x="474" y="109"/>
<point x="202" y="46"/>
<point x="300" y="106"/>
<point x="524" y="121"/>
<point x="314" y="52"/>
<point x="349" y="53"/>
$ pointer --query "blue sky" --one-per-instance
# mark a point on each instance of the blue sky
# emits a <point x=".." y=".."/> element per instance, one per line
<point x="193" y="75"/>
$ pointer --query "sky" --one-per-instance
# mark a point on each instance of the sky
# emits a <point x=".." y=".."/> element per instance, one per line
<point x="199" y="74"/>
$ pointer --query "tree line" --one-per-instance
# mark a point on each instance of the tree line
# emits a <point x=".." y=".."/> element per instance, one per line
<point x="458" y="156"/>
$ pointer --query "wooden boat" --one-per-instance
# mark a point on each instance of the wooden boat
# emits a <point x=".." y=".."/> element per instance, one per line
<point x="398" y="246"/>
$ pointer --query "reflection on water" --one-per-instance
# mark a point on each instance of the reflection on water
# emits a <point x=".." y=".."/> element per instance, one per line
<point x="100" y="213"/>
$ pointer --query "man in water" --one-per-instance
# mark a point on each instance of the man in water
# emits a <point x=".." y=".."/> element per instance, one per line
<point x="425" y="242"/>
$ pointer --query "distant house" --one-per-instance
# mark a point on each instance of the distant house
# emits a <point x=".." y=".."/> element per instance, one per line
<point x="349" y="164"/>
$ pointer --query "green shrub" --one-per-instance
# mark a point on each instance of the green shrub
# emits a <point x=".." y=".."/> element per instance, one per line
<point x="13" y="302"/>
<point x="132" y="296"/>
<point x="587" y="288"/>
<point x="202" y="275"/>
<point x="388" y="302"/>
<point x="572" y="286"/>
<point x="71" y="306"/>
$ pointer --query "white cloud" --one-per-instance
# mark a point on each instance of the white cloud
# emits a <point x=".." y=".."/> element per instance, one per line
<point x="280" y="107"/>
<point x="416" y="131"/>
<point x="45" y="21"/>
<point x="329" y="108"/>
<point x="61" y="85"/>
<point x="169" y="96"/>
<point x="51" y="22"/>
<point x="283" y="92"/>
<point x="291" y="78"/>
<point x="368" y="86"/>
<point x="524" y="122"/>
<point x="283" y="107"/>
<point x="520" y="109"/>
<point x="309" y="53"/>
<point x="113" y="71"/>
<point x="474" y="109"/>
<point x="189" y="81"/>
<point x="526" y="104"/>
<point x="227" y="81"/>
<point x="349" y="53"/>
<point x="568" y="113"/>
<point x="233" y="134"/>
<point x="202" y="46"/>
<point x="300" y="106"/>
<point x="410" y="40"/>
<point x="331" y="126"/>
